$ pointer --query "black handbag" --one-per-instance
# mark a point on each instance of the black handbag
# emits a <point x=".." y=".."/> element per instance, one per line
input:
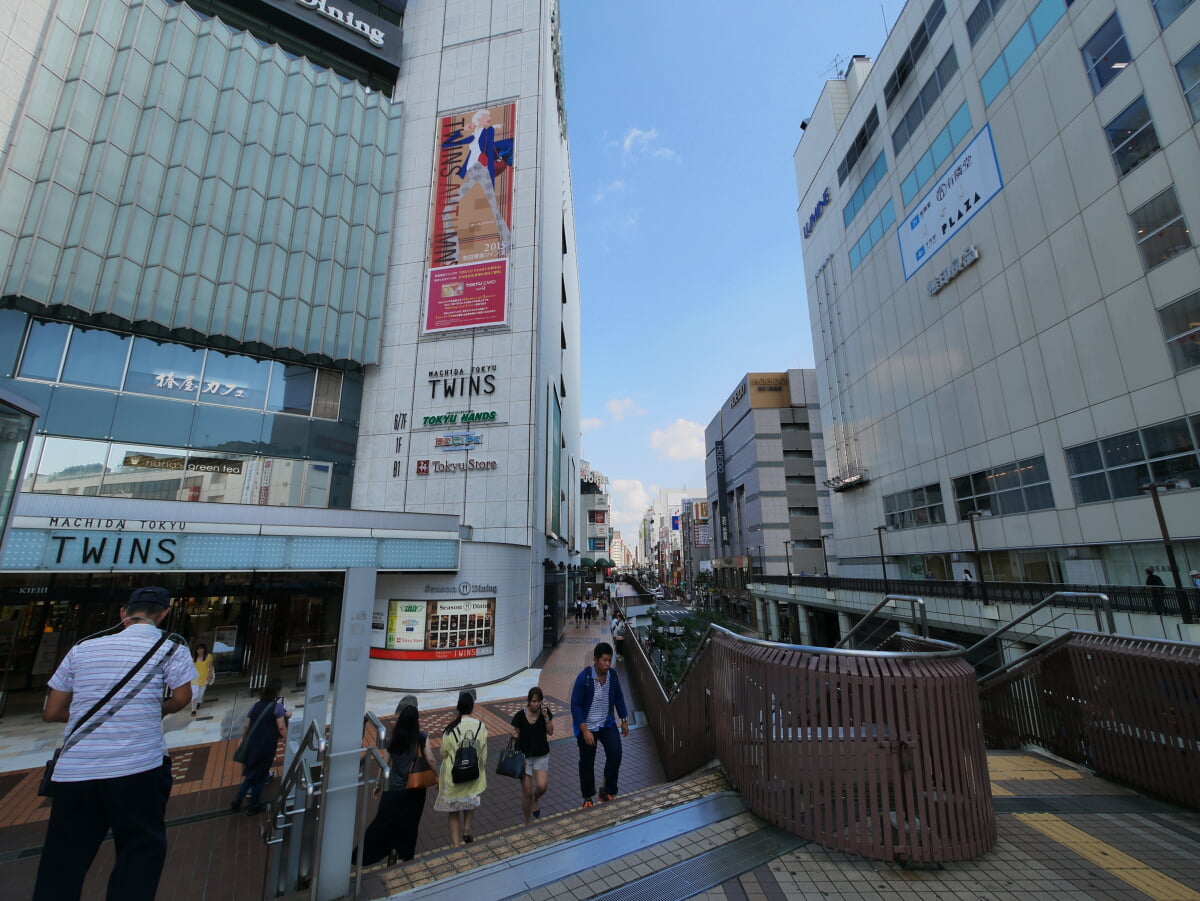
<point x="511" y="762"/>
<point x="46" y="786"/>
<point x="243" y="749"/>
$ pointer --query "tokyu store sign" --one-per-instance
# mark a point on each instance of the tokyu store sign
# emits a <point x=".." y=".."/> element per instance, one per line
<point x="963" y="190"/>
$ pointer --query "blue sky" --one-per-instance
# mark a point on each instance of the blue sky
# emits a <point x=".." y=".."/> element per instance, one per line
<point x="682" y="119"/>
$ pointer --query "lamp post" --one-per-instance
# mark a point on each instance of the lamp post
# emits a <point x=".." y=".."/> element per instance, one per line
<point x="971" y="516"/>
<point x="787" y="555"/>
<point x="1185" y="606"/>
<point x="879" y="530"/>
<point x="762" y="566"/>
<point x="824" y="556"/>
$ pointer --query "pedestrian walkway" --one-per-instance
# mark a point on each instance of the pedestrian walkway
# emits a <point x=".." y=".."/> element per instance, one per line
<point x="1063" y="833"/>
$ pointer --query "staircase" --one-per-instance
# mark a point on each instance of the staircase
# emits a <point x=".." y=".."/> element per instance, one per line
<point x="667" y="841"/>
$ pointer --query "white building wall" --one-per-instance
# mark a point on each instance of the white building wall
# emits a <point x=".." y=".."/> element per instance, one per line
<point x="1052" y="338"/>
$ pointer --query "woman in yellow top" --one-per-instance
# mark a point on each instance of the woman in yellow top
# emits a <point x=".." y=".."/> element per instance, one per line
<point x="205" y="674"/>
<point x="459" y="799"/>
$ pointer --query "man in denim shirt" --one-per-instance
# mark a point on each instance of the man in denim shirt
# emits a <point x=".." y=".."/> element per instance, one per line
<point x="596" y="692"/>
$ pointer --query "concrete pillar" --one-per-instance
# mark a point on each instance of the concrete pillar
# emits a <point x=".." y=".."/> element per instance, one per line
<point x="800" y="617"/>
<point x="773" y="632"/>
<point x="844" y="625"/>
<point x="349" y="705"/>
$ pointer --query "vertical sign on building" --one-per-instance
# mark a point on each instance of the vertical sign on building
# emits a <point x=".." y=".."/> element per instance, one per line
<point x="471" y="237"/>
<point x="722" y="506"/>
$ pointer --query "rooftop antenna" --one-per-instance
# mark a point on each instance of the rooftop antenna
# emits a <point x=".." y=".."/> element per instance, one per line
<point x="836" y="65"/>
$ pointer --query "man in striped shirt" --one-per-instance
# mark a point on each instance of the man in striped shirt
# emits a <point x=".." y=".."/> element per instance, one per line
<point x="596" y="692"/>
<point x="114" y="772"/>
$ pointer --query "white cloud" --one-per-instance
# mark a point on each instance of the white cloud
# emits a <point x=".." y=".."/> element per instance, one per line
<point x="613" y="187"/>
<point x="586" y="425"/>
<point x="638" y="142"/>
<point x="681" y="440"/>
<point x="629" y="502"/>
<point x="621" y="407"/>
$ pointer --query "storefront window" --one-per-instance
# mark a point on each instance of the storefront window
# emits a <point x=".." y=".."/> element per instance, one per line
<point x="235" y="380"/>
<point x="96" y="358"/>
<point x="165" y="370"/>
<point x="68" y="466"/>
<point x="292" y="389"/>
<point x="44" y="351"/>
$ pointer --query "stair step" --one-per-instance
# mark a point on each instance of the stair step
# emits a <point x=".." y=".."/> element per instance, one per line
<point x="709" y="869"/>
<point x="545" y="835"/>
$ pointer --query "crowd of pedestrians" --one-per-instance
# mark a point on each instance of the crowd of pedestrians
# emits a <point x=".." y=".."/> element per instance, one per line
<point x="114" y="774"/>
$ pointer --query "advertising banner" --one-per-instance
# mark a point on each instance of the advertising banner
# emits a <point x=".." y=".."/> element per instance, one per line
<point x="439" y="630"/>
<point x="962" y="191"/>
<point x="471" y="234"/>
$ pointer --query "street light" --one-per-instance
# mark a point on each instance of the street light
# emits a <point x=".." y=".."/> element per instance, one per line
<point x="1185" y="606"/>
<point x="787" y="555"/>
<point x="879" y="530"/>
<point x="971" y="516"/>
<point x="762" y="566"/>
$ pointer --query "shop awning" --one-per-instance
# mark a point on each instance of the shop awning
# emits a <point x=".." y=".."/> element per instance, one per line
<point x="587" y="563"/>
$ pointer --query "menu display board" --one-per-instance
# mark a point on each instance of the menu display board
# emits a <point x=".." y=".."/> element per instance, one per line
<point x="439" y="630"/>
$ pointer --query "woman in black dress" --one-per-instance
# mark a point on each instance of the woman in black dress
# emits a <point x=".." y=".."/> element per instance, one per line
<point x="400" y="808"/>
<point x="532" y="727"/>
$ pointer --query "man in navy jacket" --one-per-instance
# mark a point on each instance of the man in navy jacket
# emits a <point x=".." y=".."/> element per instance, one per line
<point x="596" y="692"/>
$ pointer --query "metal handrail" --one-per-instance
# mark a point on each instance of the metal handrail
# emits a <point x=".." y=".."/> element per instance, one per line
<point x="914" y="603"/>
<point x="1099" y="604"/>
<point x="380" y="783"/>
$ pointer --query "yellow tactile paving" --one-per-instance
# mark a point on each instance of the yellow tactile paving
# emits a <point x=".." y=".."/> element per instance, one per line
<point x="1128" y="869"/>
<point x="1027" y="768"/>
<point x="999" y="791"/>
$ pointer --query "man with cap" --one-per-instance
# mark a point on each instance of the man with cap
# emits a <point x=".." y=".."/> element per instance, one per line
<point x="1195" y="576"/>
<point x="114" y="773"/>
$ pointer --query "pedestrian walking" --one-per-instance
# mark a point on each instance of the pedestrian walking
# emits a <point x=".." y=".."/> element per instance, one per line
<point x="460" y="799"/>
<point x="968" y="584"/>
<point x="597" y="691"/>
<point x="587" y="614"/>
<point x="264" y="725"/>
<point x="394" y="828"/>
<point x="579" y="612"/>
<point x="532" y="727"/>
<point x="206" y="673"/>
<point x="617" y="629"/>
<point x="114" y="773"/>
<point x="1157" y="590"/>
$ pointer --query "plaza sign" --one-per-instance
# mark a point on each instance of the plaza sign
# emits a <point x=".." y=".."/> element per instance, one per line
<point x="962" y="191"/>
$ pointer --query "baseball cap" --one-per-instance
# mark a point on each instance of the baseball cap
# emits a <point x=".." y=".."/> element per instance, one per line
<point x="1194" y="573"/>
<point x="150" y="595"/>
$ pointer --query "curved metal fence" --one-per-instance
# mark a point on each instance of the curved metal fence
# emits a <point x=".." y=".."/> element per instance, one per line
<point x="1127" y="707"/>
<point x="875" y="753"/>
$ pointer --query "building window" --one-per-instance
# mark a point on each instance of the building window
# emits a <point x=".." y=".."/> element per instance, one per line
<point x="1020" y="47"/>
<point x="1106" y="54"/>
<point x="1118" y="466"/>
<point x="1181" y="328"/>
<point x="981" y="16"/>
<point x="1132" y="137"/>
<point x="859" y="146"/>
<point x="923" y="103"/>
<point x="1019" y="487"/>
<point x="918" y="507"/>
<point x="870" y="181"/>
<point x="872" y="234"/>
<point x="908" y="59"/>
<point x="1168" y="10"/>
<point x="940" y="148"/>
<point x="1188" y="70"/>
<point x="1160" y="230"/>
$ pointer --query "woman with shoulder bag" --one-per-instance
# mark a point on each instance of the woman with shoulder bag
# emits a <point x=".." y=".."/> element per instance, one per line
<point x="400" y="808"/>
<point x="532" y="727"/>
<point x="457" y="797"/>
<point x="264" y="725"/>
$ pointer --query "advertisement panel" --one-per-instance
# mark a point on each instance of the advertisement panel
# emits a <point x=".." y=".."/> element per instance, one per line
<point x="962" y="191"/>
<point x="439" y="630"/>
<point x="471" y="234"/>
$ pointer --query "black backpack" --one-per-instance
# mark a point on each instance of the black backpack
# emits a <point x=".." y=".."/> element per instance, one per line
<point x="466" y="761"/>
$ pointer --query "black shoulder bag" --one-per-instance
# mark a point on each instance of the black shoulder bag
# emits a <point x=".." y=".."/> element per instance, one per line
<point x="46" y="786"/>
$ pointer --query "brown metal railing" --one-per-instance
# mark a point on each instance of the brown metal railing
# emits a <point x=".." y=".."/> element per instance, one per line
<point x="1127" y="707"/>
<point x="878" y="753"/>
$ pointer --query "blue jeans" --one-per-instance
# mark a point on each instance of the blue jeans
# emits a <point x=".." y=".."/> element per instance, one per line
<point x="610" y="738"/>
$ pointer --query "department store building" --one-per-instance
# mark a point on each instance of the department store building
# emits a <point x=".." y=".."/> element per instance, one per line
<point x="293" y="287"/>
<point x="996" y="220"/>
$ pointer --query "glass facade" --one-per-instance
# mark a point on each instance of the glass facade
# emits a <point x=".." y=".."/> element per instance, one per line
<point x="918" y="507"/>
<point x="1132" y="136"/>
<point x="1106" y="54"/>
<point x="1181" y="328"/>
<point x="1020" y="47"/>
<point x="1159" y="228"/>
<point x="1019" y="487"/>
<point x="1118" y="466"/>
<point x="243" y="193"/>
<point x="106" y="395"/>
<point x="1188" y="70"/>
